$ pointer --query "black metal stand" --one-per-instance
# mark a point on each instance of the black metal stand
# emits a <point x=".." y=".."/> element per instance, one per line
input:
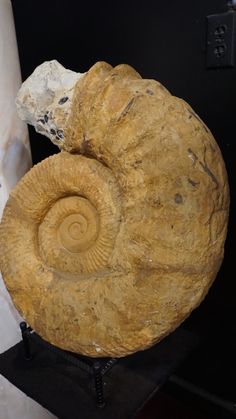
<point x="66" y="383"/>
<point x="97" y="368"/>
<point x="25" y="332"/>
<point x="98" y="384"/>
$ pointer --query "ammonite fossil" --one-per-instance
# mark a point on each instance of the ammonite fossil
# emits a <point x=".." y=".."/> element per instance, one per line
<point x="109" y="245"/>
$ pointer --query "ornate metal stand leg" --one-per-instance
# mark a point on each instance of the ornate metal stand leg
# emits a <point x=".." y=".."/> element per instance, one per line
<point x="98" y="384"/>
<point x="25" y="338"/>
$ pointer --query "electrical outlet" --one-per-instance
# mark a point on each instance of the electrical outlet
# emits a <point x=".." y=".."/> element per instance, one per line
<point x="220" y="40"/>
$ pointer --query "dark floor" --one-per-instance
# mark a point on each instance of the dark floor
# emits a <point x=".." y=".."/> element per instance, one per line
<point x="166" y="406"/>
<point x="209" y="369"/>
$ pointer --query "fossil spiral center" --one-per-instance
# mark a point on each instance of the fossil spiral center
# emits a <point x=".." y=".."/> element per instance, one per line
<point x="78" y="231"/>
<point x="71" y="226"/>
<point x="78" y="218"/>
<point x="78" y="228"/>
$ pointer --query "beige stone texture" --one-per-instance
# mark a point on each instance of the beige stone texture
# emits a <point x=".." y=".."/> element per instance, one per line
<point x="109" y="245"/>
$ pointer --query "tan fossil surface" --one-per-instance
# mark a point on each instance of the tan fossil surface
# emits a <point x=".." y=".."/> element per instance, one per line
<point x="109" y="245"/>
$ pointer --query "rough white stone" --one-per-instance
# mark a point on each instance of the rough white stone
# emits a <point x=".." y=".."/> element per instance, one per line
<point x="44" y="100"/>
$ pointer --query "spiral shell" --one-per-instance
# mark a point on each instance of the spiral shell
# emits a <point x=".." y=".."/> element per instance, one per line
<point x="109" y="245"/>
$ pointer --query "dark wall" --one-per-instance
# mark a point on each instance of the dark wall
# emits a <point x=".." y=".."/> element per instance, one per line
<point x="165" y="40"/>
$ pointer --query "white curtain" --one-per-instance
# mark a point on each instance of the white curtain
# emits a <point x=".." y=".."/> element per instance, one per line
<point x="15" y="160"/>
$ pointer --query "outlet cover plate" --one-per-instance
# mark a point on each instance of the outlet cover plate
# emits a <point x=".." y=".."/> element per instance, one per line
<point x="220" y="40"/>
